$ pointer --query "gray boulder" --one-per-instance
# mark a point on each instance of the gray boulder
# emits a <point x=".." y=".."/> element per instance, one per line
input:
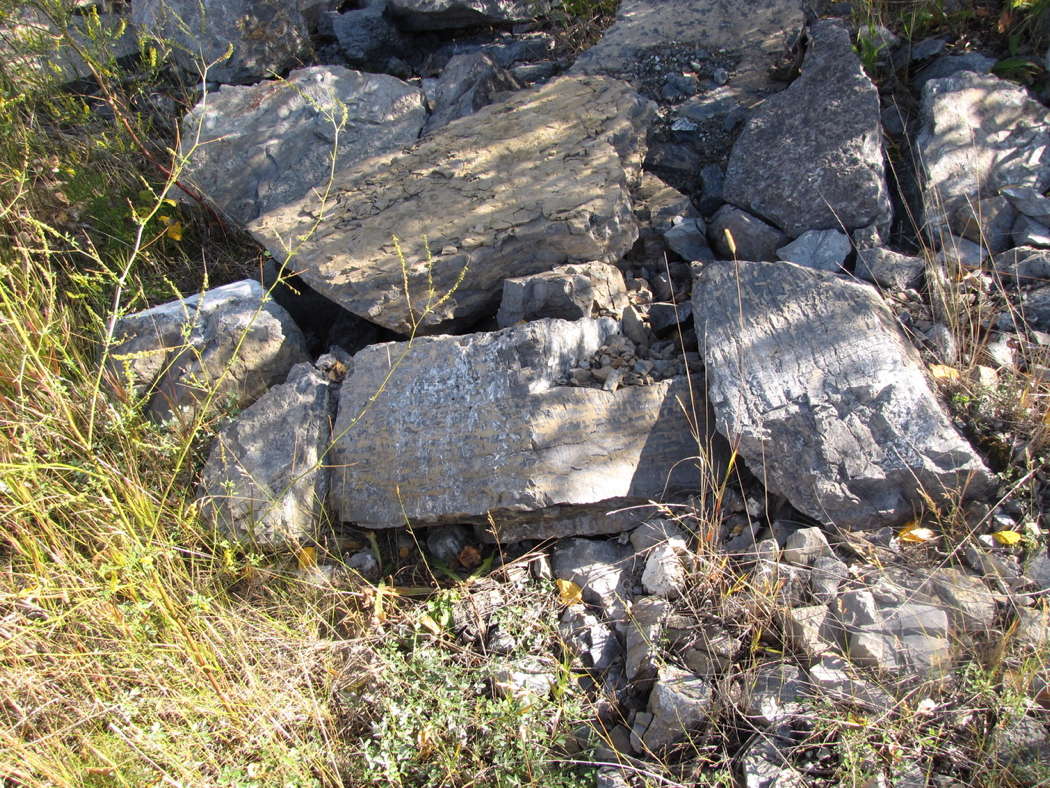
<point x="230" y="339"/>
<point x="829" y="173"/>
<point x="267" y="37"/>
<point x="450" y="14"/>
<point x="946" y="65"/>
<point x="467" y="83"/>
<point x="815" y="385"/>
<point x="753" y="34"/>
<point x="534" y="182"/>
<point x="253" y="149"/>
<point x="825" y="250"/>
<point x="752" y="239"/>
<point x="367" y="37"/>
<point x="978" y="134"/>
<point x="569" y="292"/>
<point x="473" y="429"/>
<point x="889" y="269"/>
<point x="265" y="482"/>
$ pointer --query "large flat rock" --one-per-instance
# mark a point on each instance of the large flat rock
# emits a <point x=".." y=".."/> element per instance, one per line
<point x="810" y="158"/>
<point x="452" y="429"/>
<point x="979" y="134"/>
<point x="754" y="33"/>
<point x="825" y="398"/>
<point x="520" y="187"/>
<point x="253" y="149"/>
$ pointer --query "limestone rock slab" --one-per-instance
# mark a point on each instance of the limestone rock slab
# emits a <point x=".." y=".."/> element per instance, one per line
<point x="978" y="134"/>
<point x="810" y="158"/>
<point x="254" y="148"/>
<point x="814" y="383"/>
<point x="230" y="338"/>
<point x="754" y="33"/>
<point x="536" y="181"/>
<point x="264" y="483"/>
<point x="266" y="36"/>
<point x="453" y="429"/>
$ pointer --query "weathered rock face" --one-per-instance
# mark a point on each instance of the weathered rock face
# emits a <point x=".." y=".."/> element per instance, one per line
<point x="268" y="36"/>
<point x="253" y="149"/>
<point x="824" y="397"/>
<point x="810" y="158"/>
<point x="754" y="33"/>
<point x="445" y="14"/>
<point x="228" y="338"/>
<point x="465" y="426"/>
<point x="264" y="484"/>
<point x="979" y="134"/>
<point x="568" y="292"/>
<point x="520" y="187"/>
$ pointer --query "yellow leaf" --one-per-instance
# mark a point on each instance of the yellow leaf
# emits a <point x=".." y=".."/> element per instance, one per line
<point x="1007" y="537"/>
<point x="430" y="625"/>
<point x="913" y="532"/>
<point x="568" y="592"/>
<point x="307" y="557"/>
<point x="941" y="372"/>
<point x="174" y="231"/>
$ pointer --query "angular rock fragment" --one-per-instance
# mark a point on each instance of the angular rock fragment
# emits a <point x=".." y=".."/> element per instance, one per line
<point x="979" y="134"/>
<point x="266" y="36"/>
<point x="254" y="149"/>
<point x="814" y="384"/>
<point x="600" y="568"/>
<point x="805" y="546"/>
<point x="589" y="639"/>
<point x="450" y="14"/>
<point x="569" y="292"/>
<point x="642" y="637"/>
<point x="773" y="693"/>
<point x="737" y="235"/>
<point x="230" y="339"/>
<point x="537" y="181"/>
<point x="679" y="702"/>
<point x="754" y="34"/>
<point x="461" y="429"/>
<point x="889" y="269"/>
<point x="467" y="83"/>
<point x="825" y="250"/>
<point x="988" y="221"/>
<point x="831" y="173"/>
<point x="264" y="484"/>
